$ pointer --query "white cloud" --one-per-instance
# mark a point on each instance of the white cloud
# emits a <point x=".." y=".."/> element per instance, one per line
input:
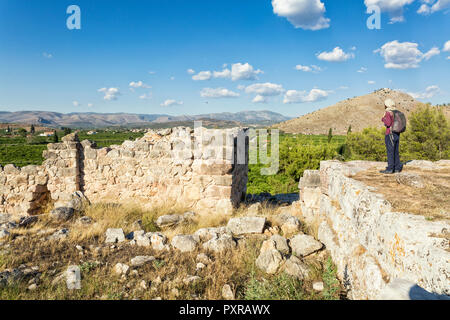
<point x="371" y="82"/>
<point x="245" y="71"/>
<point x="239" y="71"/>
<point x="139" y="84"/>
<point x="432" y="6"/>
<point x="362" y="70"/>
<point x="202" y="75"/>
<point x="259" y="99"/>
<point x="152" y="72"/>
<point x="429" y="93"/>
<point x="146" y="96"/>
<point x="226" y="73"/>
<point x="110" y="93"/>
<point x="446" y="47"/>
<point x="218" y="93"/>
<point x="393" y="7"/>
<point x="305" y="14"/>
<point x="265" y="89"/>
<point x="90" y="105"/>
<point x="337" y="55"/>
<point x="294" y="96"/>
<point x="403" y="55"/>
<point x="190" y="71"/>
<point x="76" y="104"/>
<point x="47" y="55"/>
<point x="312" y="68"/>
<point x="170" y="102"/>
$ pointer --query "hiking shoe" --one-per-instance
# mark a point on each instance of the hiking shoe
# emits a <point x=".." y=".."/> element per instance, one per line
<point x="387" y="172"/>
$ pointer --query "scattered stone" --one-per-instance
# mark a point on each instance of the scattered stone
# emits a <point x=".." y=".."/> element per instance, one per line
<point x="167" y="221"/>
<point x="203" y="258"/>
<point x="269" y="261"/>
<point x="190" y="279"/>
<point x="292" y="225"/>
<point x="200" y="266"/>
<point x="134" y="234"/>
<point x="184" y="243"/>
<point x="85" y="220"/>
<point x="73" y="278"/>
<point x="254" y="209"/>
<point x="27" y="221"/>
<point x="79" y="248"/>
<point x="121" y="269"/>
<point x="5" y="217"/>
<point x="227" y="293"/>
<point x="303" y="245"/>
<point x="141" y="239"/>
<point x="281" y="244"/>
<point x="78" y="201"/>
<point x="114" y="236"/>
<point x="4" y="233"/>
<point x="32" y="287"/>
<point x="296" y="268"/>
<point x="143" y="285"/>
<point x="141" y="260"/>
<point x="59" y="235"/>
<point x="409" y="179"/>
<point x="62" y="213"/>
<point x="246" y="225"/>
<point x="224" y="242"/>
<point x="158" y="241"/>
<point x="207" y="234"/>
<point x="318" y="286"/>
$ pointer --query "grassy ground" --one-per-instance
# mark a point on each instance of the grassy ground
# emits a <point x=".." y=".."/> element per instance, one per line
<point x="161" y="278"/>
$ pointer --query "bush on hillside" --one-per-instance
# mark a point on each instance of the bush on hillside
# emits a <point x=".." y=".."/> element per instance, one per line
<point x="366" y="145"/>
<point x="427" y="136"/>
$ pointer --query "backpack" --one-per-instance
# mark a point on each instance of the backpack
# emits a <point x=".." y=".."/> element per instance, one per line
<point x="399" y="125"/>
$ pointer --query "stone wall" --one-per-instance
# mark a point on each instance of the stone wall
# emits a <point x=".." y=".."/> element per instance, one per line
<point x="23" y="191"/>
<point x="370" y="244"/>
<point x="203" y="169"/>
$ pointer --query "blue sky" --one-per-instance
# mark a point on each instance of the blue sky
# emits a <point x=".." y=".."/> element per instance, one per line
<point x="191" y="57"/>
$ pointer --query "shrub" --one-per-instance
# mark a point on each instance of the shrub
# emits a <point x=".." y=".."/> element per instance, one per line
<point x="427" y="136"/>
<point x="279" y="287"/>
<point x="366" y="145"/>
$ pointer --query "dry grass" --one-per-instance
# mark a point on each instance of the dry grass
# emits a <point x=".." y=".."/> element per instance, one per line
<point x="432" y="201"/>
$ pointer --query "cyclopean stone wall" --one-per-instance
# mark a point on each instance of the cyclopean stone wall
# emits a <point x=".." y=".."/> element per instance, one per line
<point x="198" y="169"/>
<point x="370" y="244"/>
<point x="23" y="191"/>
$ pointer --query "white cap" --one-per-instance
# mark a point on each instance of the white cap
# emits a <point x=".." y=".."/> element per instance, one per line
<point x="389" y="103"/>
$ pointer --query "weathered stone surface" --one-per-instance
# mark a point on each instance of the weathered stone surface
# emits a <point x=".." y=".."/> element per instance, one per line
<point x="318" y="286"/>
<point x="227" y="292"/>
<point x="303" y="245"/>
<point x="254" y="209"/>
<point x="220" y="244"/>
<point x="141" y="260"/>
<point x="114" y="236"/>
<point x="410" y="179"/>
<point x="281" y="244"/>
<point x="169" y="220"/>
<point x="296" y="268"/>
<point x="27" y="221"/>
<point x="246" y="225"/>
<point x="73" y="278"/>
<point x="59" y="235"/>
<point x="206" y="234"/>
<point x="62" y="213"/>
<point x="158" y="241"/>
<point x="184" y="243"/>
<point x="401" y="289"/>
<point x="369" y="243"/>
<point x="121" y="269"/>
<point x="269" y="261"/>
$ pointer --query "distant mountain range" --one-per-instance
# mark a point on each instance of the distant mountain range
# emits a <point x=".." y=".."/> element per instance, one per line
<point x="99" y="120"/>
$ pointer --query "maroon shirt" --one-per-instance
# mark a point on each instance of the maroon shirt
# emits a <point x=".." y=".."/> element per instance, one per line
<point x="388" y="121"/>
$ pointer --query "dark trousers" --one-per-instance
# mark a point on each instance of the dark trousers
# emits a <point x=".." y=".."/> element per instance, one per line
<point x="392" y="146"/>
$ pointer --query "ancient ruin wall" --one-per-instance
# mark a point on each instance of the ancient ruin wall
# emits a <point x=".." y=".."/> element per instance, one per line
<point x="200" y="169"/>
<point x="370" y="244"/>
<point x="23" y="191"/>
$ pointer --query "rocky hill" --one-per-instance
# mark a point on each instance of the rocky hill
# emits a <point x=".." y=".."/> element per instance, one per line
<point x="359" y="112"/>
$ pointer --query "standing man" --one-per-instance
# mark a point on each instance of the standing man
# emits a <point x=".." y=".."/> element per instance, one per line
<point x="392" y="139"/>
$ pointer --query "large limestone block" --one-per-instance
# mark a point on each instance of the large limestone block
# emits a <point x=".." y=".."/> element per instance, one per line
<point x="303" y="245"/>
<point x="246" y="225"/>
<point x="184" y="243"/>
